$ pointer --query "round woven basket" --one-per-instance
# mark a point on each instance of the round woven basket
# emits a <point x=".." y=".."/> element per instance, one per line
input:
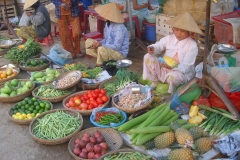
<point x="101" y="86"/>
<point x="38" y="55"/>
<point x="37" y="68"/>
<point x="66" y="74"/>
<point x="83" y="112"/>
<point x="88" y="86"/>
<point x="25" y="121"/>
<point x="3" y="51"/>
<point x="55" y="141"/>
<point x="112" y="137"/>
<point x="19" y="97"/>
<point x="12" y="77"/>
<point x="54" y="99"/>
<point x="132" y="110"/>
<point x="125" y="151"/>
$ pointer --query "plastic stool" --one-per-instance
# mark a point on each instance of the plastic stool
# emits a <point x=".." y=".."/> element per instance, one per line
<point x="93" y="35"/>
<point x="56" y="33"/>
<point x="48" y="41"/>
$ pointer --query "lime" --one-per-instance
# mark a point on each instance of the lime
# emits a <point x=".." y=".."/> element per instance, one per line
<point x="27" y="106"/>
<point x="34" y="99"/>
<point x="19" y="103"/>
<point x="37" y="107"/>
<point x="47" y="106"/>
<point x="35" y="111"/>
<point x="14" y="107"/>
<point x="27" y="99"/>
<point x="15" y="111"/>
<point x="22" y="107"/>
<point x="30" y="109"/>
<point x="33" y="114"/>
<point x="35" y="103"/>
<point x="40" y="111"/>
<point x="30" y="102"/>
<point x="24" y="102"/>
<point x="42" y="104"/>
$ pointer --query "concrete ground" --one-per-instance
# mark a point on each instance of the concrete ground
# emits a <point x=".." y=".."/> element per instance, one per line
<point x="15" y="140"/>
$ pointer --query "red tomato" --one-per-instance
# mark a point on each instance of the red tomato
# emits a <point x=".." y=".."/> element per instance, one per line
<point x="88" y="101"/>
<point x="91" y="99"/>
<point x="89" y="95"/>
<point x="104" y="98"/>
<point x="99" y="105"/>
<point x="67" y="104"/>
<point x="95" y="95"/>
<point x="85" y="97"/>
<point x="97" y="91"/>
<point x="89" y="91"/>
<point x="90" y="107"/>
<point x="71" y="103"/>
<point x="99" y="101"/>
<point x="83" y="105"/>
<point x="95" y="104"/>
<point x="82" y="98"/>
<point x="100" y="95"/>
<point x="103" y="91"/>
<point x="71" y="99"/>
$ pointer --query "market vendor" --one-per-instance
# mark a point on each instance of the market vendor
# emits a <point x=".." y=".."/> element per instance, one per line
<point x="40" y="26"/>
<point x="115" y="45"/>
<point x="179" y="46"/>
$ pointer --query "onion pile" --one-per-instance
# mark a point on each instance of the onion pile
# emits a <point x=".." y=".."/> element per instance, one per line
<point x="90" y="147"/>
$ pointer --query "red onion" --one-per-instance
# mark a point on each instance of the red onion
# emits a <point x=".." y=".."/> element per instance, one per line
<point x="83" y="155"/>
<point x="93" y="140"/>
<point x="86" y="135"/>
<point x="97" y="148"/>
<point x="97" y="155"/>
<point x="104" y="145"/>
<point x="82" y="144"/>
<point x="89" y="146"/>
<point x="100" y="139"/>
<point x="91" y="155"/>
<point x="86" y="139"/>
<point x="76" y="151"/>
<point x="97" y="134"/>
<point x="76" y="140"/>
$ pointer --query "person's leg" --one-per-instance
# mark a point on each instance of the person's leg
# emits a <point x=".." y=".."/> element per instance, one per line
<point x="27" y="32"/>
<point x="107" y="54"/>
<point x="65" y="35"/>
<point x="76" y="33"/>
<point x="174" y="79"/>
<point x="88" y="43"/>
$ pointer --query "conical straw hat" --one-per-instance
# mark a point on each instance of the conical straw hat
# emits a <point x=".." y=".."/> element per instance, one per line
<point x="29" y="3"/>
<point x="184" y="21"/>
<point x="110" y="12"/>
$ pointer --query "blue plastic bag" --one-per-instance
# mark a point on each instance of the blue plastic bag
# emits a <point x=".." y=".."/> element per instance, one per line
<point x="175" y="101"/>
<point x="59" y="55"/>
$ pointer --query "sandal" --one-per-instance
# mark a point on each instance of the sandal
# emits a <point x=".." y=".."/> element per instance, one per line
<point x="80" y="54"/>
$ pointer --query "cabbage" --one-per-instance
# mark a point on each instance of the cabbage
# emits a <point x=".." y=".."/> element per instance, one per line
<point x="162" y="88"/>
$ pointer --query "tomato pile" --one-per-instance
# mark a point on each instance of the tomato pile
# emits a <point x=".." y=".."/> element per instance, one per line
<point x="89" y="100"/>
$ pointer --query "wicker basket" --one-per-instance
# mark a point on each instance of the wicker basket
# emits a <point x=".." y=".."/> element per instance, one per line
<point x="3" y="51"/>
<point x="77" y="73"/>
<point x="112" y="137"/>
<point x="124" y="151"/>
<point x="83" y="112"/>
<point x="36" y="55"/>
<point x="54" y="99"/>
<point x="25" y="121"/>
<point x="132" y="110"/>
<point x="55" y="141"/>
<point x="101" y="86"/>
<point x="19" y="97"/>
<point x="10" y="78"/>
<point x="37" y="68"/>
<point x="88" y="86"/>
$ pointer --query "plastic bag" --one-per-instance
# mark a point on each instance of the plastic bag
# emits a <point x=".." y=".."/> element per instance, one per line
<point x="60" y="55"/>
<point x="24" y="21"/>
<point x="228" y="78"/>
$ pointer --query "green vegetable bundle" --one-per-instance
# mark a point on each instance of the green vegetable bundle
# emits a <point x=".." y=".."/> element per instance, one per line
<point x="22" y="53"/>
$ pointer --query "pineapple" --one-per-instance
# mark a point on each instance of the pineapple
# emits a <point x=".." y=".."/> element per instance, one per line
<point x="203" y="144"/>
<point x="196" y="132"/>
<point x="180" y="154"/>
<point x="182" y="135"/>
<point x="162" y="141"/>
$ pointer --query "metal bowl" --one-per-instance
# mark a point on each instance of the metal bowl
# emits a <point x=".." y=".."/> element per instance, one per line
<point x="124" y="63"/>
<point x="226" y="48"/>
<point x="7" y="43"/>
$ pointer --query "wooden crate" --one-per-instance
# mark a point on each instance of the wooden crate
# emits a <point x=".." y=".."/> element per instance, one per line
<point x="11" y="12"/>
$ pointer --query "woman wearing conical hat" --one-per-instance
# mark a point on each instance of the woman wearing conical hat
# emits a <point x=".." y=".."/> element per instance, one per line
<point x="115" y="45"/>
<point x="180" y="47"/>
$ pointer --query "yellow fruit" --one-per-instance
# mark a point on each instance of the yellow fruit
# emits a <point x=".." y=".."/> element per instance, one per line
<point x="195" y="120"/>
<point x="201" y="115"/>
<point x="37" y="114"/>
<point x="20" y="117"/>
<point x="18" y="114"/>
<point x="170" y="62"/>
<point x="193" y="111"/>
<point x="14" y="116"/>
<point x="24" y="115"/>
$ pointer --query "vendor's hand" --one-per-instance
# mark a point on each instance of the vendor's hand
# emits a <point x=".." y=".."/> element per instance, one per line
<point x="145" y="5"/>
<point x="28" y="14"/>
<point x="151" y="49"/>
<point x="97" y="44"/>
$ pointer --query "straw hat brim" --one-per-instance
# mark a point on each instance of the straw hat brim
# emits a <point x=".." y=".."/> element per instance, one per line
<point x="29" y="3"/>
<point x="184" y="21"/>
<point x="110" y="12"/>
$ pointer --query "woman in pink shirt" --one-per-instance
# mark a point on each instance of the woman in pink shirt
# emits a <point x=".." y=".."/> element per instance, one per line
<point x="179" y="46"/>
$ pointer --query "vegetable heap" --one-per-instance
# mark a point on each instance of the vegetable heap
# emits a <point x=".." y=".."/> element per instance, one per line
<point x="22" y="53"/>
<point x="56" y="125"/>
<point x="121" y="80"/>
<point x="92" y="73"/>
<point x="105" y="118"/>
<point x="128" y="156"/>
<point x="49" y="91"/>
<point x="75" y="66"/>
<point x="130" y="100"/>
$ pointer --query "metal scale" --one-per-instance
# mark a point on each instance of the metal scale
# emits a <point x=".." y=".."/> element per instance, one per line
<point x="123" y="64"/>
<point x="227" y="50"/>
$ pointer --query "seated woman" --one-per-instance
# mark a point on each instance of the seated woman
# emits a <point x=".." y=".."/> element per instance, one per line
<point x="40" y="21"/>
<point x="140" y="8"/>
<point x="179" y="46"/>
<point x="115" y="44"/>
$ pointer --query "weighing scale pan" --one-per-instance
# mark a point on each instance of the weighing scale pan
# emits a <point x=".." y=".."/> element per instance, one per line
<point x="226" y="48"/>
<point x="124" y="63"/>
<point x="7" y="43"/>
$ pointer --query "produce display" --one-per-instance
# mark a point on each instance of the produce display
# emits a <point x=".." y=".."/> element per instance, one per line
<point x="87" y="101"/>
<point x="121" y="80"/>
<point x="67" y="80"/>
<point x="22" y="53"/>
<point x="90" y="146"/>
<point x="35" y="63"/>
<point x="75" y="66"/>
<point x="128" y="156"/>
<point x="91" y="73"/>
<point x="107" y="117"/>
<point x="9" y="72"/>
<point x="48" y="75"/>
<point x="15" y="87"/>
<point x="29" y="108"/>
<point x="56" y="125"/>
<point x="48" y="91"/>
<point x="130" y="100"/>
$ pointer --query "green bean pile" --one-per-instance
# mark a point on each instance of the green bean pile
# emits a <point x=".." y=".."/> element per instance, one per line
<point x="50" y="91"/>
<point x="56" y="125"/>
<point x="128" y="156"/>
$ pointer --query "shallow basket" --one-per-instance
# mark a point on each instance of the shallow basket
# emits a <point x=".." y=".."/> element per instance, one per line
<point x="55" y="141"/>
<point x="132" y="110"/>
<point x="88" y="86"/>
<point x="19" y="97"/>
<point x="104" y="126"/>
<point x="12" y="77"/>
<point x="83" y="112"/>
<point x="23" y="122"/>
<point x="79" y="74"/>
<point x="38" y="68"/>
<point x="54" y="99"/>
<point x="112" y="137"/>
<point x="7" y="43"/>
<point x="124" y="150"/>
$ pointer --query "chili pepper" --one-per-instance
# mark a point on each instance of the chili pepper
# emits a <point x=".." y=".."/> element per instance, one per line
<point x="105" y="118"/>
